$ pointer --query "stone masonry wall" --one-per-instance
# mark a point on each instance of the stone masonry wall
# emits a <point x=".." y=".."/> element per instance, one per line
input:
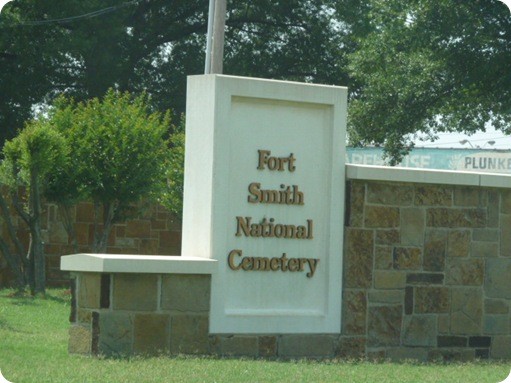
<point x="426" y="276"/>
<point x="154" y="231"/>
<point x="427" y="272"/>
<point x="124" y="314"/>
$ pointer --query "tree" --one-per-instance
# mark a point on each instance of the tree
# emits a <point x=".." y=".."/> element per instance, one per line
<point x="83" y="48"/>
<point x="24" y="78"/>
<point x="113" y="151"/>
<point x="119" y="156"/>
<point x="14" y="254"/>
<point x="413" y="68"/>
<point x="29" y="159"/>
<point x="427" y="66"/>
<point x="172" y="196"/>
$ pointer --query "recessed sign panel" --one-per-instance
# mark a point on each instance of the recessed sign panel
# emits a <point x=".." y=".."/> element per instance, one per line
<point x="264" y="195"/>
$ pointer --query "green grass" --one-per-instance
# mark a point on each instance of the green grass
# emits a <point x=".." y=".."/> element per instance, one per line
<point x="33" y="348"/>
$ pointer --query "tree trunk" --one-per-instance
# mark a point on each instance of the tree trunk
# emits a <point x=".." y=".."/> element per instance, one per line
<point x="31" y="266"/>
<point x="28" y="261"/>
<point x="97" y="232"/>
<point x="20" y="249"/>
<point x="36" y="236"/>
<point x="15" y="265"/>
<point x="69" y="225"/>
<point x="100" y="242"/>
<point x="39" y="261"/>
<point x="15" y="260"/>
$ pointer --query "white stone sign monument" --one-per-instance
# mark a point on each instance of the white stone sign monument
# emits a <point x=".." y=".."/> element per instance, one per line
<point x="264" y="190"/>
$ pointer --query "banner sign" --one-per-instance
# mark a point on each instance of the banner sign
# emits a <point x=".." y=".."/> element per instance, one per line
<point x="473" y="160"/>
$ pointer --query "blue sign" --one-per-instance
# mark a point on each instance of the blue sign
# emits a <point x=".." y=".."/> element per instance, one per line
<point x="475" y="160"/>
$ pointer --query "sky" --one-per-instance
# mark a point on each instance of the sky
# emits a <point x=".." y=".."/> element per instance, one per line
<point x="480" y="139"/>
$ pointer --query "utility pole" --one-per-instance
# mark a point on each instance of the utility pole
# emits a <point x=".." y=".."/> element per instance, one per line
<point x="215" y="38"/>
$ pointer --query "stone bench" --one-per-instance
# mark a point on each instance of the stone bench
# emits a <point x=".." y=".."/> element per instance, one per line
<point x="132" y="304"/>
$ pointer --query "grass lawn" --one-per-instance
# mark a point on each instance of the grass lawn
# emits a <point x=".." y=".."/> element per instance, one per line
<point x="33" y="348"/>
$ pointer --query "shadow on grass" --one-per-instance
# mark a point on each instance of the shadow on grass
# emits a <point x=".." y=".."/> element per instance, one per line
<point x="58" y="299"/>
<point x="20" y="299"/>
<point x="5" y="326"/>
<point x="59" y="294"/>
<point x="24" y="298"/>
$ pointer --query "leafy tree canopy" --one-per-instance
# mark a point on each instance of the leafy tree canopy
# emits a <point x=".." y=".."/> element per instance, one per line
<point x="29" y="160"/>
<point x="172" y="196"/>
<point x="413" y="68"/>
<point x="429" y="66"/>
<point x="51" y="47"/>
<point x="119" y="151"/>
<point x="119" y="154"/>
